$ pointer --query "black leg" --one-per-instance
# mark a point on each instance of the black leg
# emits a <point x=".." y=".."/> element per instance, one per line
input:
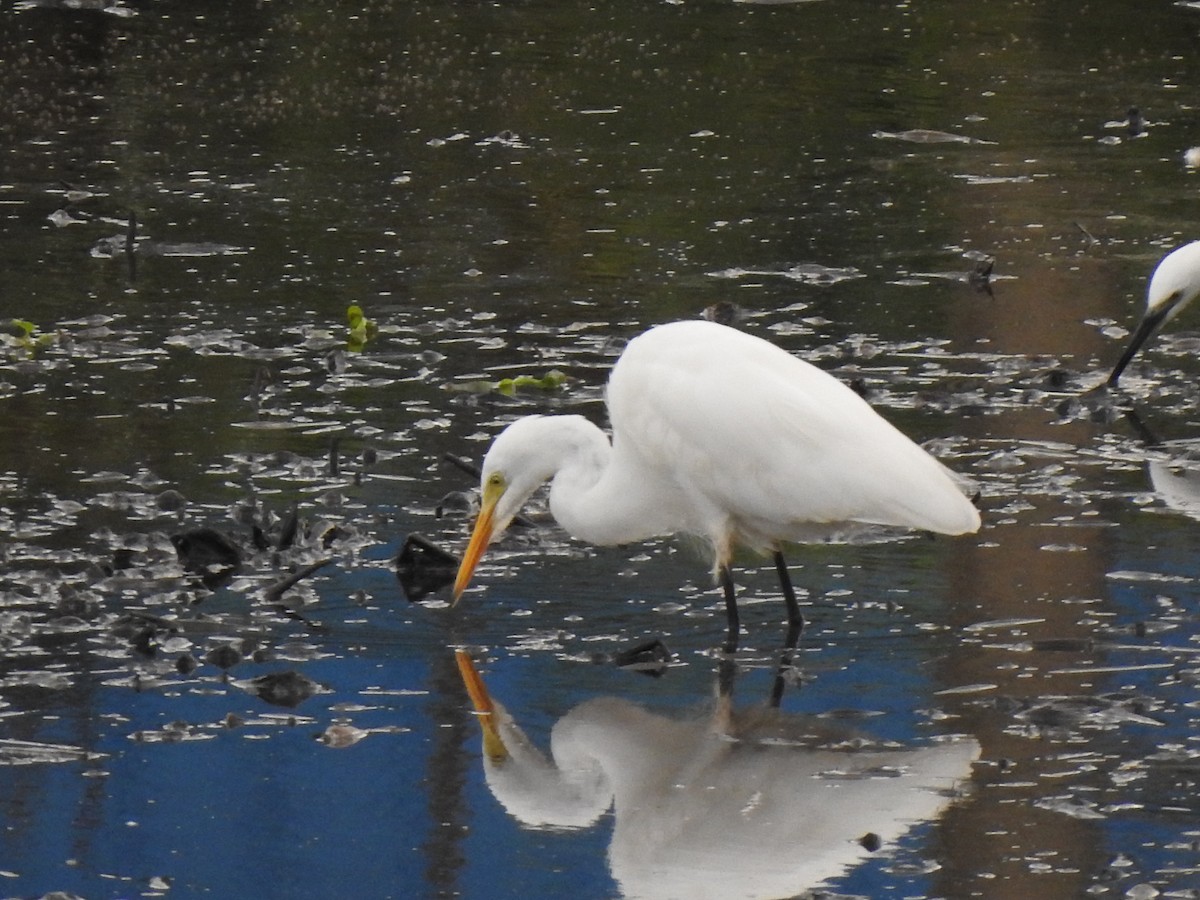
<point x="726" y="672"/>
<point x="795" y="626"/>
<point x="795" y="618"/>
<point x="731" y="610"/>
<point x="779" y="683"/>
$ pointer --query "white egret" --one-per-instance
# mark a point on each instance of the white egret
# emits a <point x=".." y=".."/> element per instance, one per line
<point x="1174" y="284"/>
<point x="723" y="435"/>
<point x="736" y="805"/>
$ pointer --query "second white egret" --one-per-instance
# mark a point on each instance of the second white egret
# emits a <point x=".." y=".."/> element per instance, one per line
<point x="1174" y="284"/>
<point x="726" y="436"/>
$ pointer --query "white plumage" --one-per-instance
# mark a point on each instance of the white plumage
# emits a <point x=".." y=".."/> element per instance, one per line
<point x="1174" y="284"/>
<point x="723" y="435"/>
<point x="726" y="804"/>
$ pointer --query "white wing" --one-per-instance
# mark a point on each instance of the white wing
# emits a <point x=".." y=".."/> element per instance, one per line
<point x="764" y="447"/>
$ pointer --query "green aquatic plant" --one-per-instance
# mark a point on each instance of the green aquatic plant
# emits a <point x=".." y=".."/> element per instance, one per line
<point x="20" y="336"/>
<point x="551" y="381"/>
<point x="362" y="329"/>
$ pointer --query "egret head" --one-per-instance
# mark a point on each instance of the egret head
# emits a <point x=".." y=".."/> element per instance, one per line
<point x="519" y="461"/>
<point x="1174" y="284"/>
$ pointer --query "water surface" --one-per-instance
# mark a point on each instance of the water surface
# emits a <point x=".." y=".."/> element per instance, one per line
<point x="510" y="189"/>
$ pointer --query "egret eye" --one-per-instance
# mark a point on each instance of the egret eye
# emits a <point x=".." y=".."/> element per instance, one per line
<point x="495" y="480"/>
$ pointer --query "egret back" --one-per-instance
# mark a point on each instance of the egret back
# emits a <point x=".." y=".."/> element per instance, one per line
<point x="762" y="447"/>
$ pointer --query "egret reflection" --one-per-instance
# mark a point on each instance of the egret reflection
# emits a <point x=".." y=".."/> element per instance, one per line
<point x="723" y="804"/>
<point x="1177" y="481"/>
<point x="1174" y="471"/>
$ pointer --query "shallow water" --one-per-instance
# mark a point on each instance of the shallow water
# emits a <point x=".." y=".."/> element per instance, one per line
<point x="509" y="190"/>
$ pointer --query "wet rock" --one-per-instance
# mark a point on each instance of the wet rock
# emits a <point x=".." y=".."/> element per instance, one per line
<point x="424" y="568"/>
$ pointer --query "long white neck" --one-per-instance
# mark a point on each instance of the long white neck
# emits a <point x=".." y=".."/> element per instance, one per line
<point x="593" y="495"/>
<point x="568" y="792"/>
<point x="598" y="500"/>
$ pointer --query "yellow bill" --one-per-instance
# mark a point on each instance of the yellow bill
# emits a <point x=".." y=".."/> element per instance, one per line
<point x="485" y="530"/>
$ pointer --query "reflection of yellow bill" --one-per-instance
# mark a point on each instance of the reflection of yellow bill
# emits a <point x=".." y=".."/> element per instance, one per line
<point x="485" y="709"/>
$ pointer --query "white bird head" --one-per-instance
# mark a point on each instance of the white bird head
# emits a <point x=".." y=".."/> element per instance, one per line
<point x="1174" y="284"/>
<point x="523" y="456"/>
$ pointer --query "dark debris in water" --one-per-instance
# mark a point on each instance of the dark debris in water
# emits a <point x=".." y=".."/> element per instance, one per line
<point x="27" y="753"/>
<point x="141" y="594"/>
<point x="119" y="9"/>
<point x="805" y="273"/>
<point x="289" y="688"/>
<point x="180" y="731"/>
<point x="168" y="612"/>
<point x="224" y="656"/>
<point x="928" y="136"/>
<point x="130" y="242"/>
<point x="648" y="658"/>
<point x="341" y="735"/>
<point x="209" y="553"/>
<point x="424" y="568"/>
<point x="1062" y="716"/>
<point x="725" y="312"/>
